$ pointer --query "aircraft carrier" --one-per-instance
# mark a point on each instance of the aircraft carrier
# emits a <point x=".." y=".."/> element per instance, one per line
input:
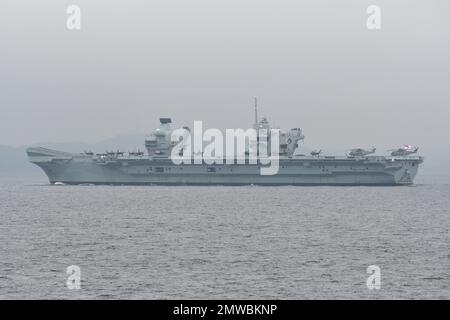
<point x="156" y="166"/>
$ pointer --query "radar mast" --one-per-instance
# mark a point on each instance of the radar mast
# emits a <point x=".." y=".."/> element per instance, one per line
<point x="256" y="112"/>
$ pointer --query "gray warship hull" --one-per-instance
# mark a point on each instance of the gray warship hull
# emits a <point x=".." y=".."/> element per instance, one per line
<point x="69" y="168"/>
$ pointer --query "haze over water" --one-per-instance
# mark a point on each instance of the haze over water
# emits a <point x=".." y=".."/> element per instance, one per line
<point x="224" y="242"/>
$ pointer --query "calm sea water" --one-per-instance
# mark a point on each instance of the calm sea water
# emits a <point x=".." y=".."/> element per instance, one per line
<point x="224" y="242"/>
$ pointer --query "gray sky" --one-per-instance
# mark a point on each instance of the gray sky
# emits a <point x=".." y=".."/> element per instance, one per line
<point x="312" y="64"/>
